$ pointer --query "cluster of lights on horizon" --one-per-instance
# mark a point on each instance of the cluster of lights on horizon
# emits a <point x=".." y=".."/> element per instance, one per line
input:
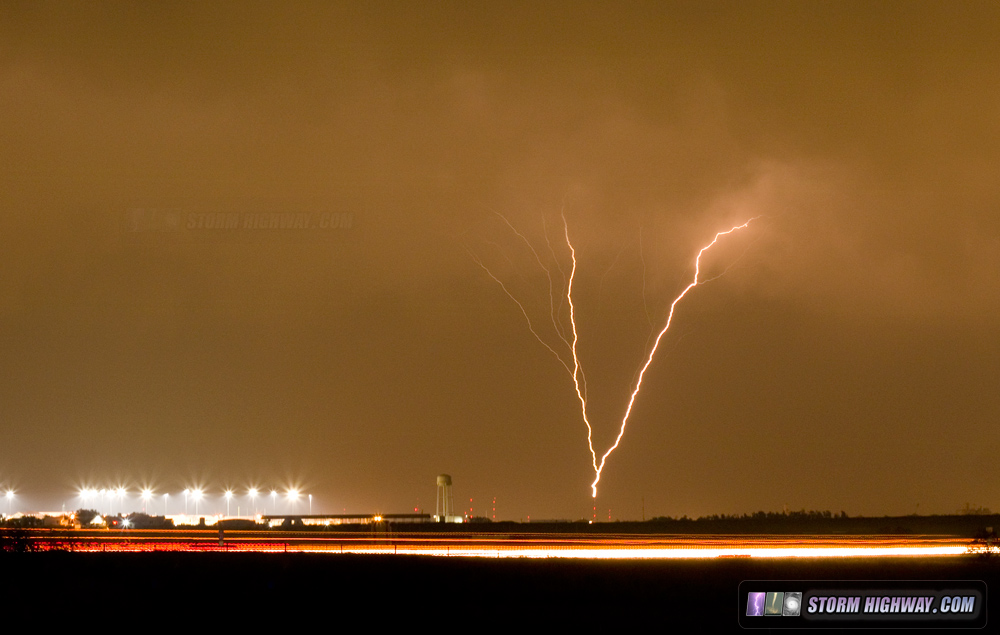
<point x="106" y="498"/>
<point x="196" y="495"/>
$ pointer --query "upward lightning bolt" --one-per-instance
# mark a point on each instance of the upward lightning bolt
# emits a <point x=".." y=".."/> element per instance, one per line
<point x="576" y="360"/>
<point x="576" y="372"/>
<point x="638" y="384"/>
<point x="531" y="327"/>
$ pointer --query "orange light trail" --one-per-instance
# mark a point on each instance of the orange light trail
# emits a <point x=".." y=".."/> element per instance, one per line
<point x="502" y="545"/>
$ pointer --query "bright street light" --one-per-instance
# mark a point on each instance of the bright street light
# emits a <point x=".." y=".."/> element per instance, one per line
<point x="253" y="499"/>
<point x="86" y="494"/>
<point x="121" y="499"/>
<point x="147" y="495"/>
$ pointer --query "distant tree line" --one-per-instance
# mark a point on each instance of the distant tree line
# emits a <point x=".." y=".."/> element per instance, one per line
<point x="769" y="516"/>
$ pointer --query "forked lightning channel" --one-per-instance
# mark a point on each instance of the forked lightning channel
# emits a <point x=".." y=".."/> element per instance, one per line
<point x="576" y="371"/>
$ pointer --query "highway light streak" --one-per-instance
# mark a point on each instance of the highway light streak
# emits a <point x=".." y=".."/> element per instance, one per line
<point x="661" y="554"/>
<point x="507" y="546"/>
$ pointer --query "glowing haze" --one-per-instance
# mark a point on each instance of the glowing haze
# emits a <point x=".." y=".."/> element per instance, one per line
<point x="140" y="342"/>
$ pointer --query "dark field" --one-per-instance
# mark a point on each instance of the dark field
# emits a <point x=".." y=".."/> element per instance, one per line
<point x="410" y="590"/>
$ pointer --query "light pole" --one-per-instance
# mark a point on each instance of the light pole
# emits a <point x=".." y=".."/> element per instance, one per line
<point x="310" y="504"/>
<point x="229" y="497"/>
<point x="85" y="495"/>
<point x="166" y="497"/>
<point x="253" y="500"/>
<point x="293" y="496"/>
<point x="274" y="504"/>
<point x="147" y="495"/>
<point x="10" y="499"/>
<point x="197" y="493"/>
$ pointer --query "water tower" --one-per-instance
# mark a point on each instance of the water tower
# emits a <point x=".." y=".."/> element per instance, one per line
<point x="445" y="502"/>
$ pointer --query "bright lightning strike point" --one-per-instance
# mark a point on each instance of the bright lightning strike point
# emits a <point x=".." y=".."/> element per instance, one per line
<point x="576" y="360"/>
<point x="638" y="384"/>
<point x="576" y="372"/>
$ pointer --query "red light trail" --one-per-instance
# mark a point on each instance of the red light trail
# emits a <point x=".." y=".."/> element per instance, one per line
<point x="501" y="545"/>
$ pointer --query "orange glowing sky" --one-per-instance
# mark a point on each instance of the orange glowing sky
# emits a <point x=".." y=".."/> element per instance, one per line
<point x="846" y="361"/>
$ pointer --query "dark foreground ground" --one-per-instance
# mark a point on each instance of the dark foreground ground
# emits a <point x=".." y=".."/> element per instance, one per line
<point x="244" y="589"/>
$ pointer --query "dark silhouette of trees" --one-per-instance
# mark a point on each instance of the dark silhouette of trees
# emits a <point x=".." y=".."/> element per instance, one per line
<point x="86" y="516"/>
<point x="16" y="540"/>
<point x="985" y="544"/>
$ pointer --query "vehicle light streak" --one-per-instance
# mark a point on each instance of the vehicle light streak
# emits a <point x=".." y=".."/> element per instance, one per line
<point x="664" y="554"/>
<point x="611" y="547"/>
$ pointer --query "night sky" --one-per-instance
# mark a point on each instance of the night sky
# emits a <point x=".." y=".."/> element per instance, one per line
<point x="848" y="360"/>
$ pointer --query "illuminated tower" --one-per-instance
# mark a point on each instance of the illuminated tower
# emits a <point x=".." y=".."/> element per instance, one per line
<point x="445" y="502"/>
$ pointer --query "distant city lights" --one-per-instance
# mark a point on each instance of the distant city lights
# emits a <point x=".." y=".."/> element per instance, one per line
<point x="119" y="500"/>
